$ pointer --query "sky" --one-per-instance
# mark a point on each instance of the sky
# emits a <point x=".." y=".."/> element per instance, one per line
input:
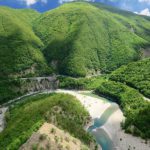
<point x="137" y="6"/>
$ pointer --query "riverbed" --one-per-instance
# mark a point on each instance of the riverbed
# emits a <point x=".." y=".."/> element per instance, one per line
<point x="103" y="113"/>
<point x="107" y="117"/>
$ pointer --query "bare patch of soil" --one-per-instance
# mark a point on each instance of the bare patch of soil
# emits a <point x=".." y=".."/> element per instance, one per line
<point x="49" y="137"/>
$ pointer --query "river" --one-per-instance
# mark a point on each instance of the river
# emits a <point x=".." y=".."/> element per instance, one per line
<point x="101" y="136"/>
<point x="106" y="116"/>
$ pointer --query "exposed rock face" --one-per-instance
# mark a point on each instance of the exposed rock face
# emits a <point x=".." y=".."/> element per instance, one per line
<point x="22" y="86"/>
<point x="146" y="52"/>
<point x="2" y="118"/>
<point x="38" y="84"/>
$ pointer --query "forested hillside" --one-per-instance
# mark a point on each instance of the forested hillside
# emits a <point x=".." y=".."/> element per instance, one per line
<point x="136" y="23"/>
<point x="77" y="46"/>
<point x="75" y="39"/>
<point x="80" y="38"/>
<point x="20" y="53"/>
<point x="135" y="108"/>
<point x="136" y="75"/>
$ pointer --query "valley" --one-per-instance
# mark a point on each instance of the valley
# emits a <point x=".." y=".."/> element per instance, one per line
<point x="74" y="78"/>
<point x="106" y="122"/>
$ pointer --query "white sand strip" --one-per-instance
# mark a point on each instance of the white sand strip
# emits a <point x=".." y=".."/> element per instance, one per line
<point x="96" y="107"/>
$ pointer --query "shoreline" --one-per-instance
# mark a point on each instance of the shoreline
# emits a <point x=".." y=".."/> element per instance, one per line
<point x="96" y="107"/>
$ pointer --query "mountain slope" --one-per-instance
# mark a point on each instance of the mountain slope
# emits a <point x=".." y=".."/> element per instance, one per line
<point x="134" y="107"/>
<point x="20" y="54"/>
<point x="19" y="46"/>
<point x="62" y="110"/>
<point x="140" y="25"/>
<point x="80" y="38"/>
<point x="25" y="15"/>
<point x="135" y="74"/>
<point x="75" y="39"/>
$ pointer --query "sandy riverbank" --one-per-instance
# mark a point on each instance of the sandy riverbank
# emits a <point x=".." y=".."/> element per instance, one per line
<point x="96" y="107"/>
